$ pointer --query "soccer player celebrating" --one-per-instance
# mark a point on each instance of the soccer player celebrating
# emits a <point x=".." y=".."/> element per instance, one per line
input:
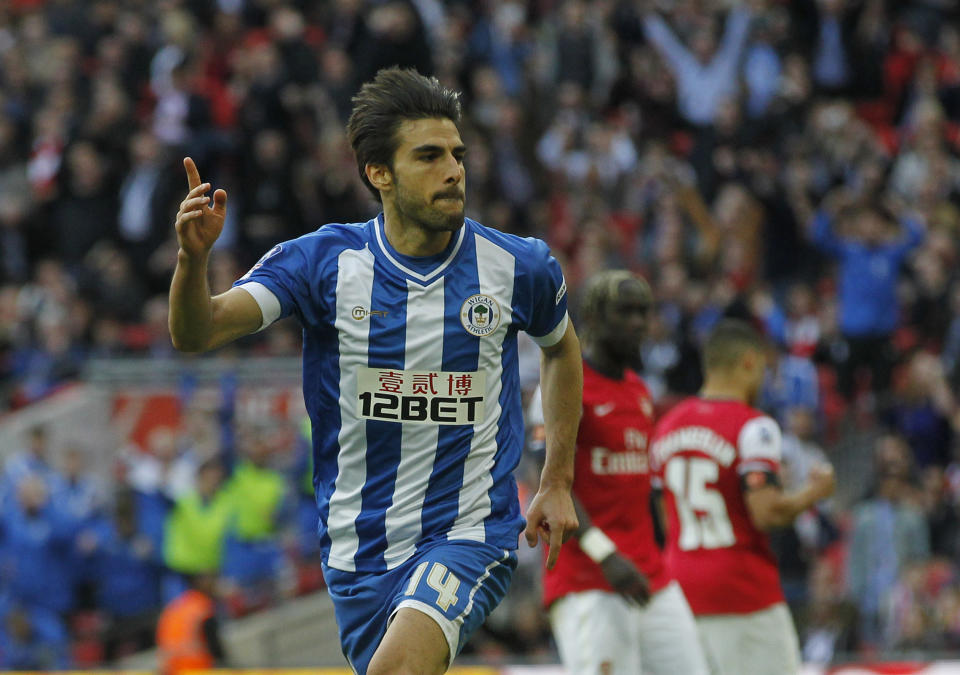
<point x="718" y="459"/>
<point x="612" y="606"/>
<point x="410" y="379"/>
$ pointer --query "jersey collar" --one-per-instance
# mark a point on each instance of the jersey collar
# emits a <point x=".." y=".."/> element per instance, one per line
<point x="403" y="262"/>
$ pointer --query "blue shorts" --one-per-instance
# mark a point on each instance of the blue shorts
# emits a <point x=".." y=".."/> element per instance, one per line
<point x="456" y="583"/>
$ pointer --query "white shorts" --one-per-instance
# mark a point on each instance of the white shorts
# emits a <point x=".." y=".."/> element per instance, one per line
<point x="600" y="632"/>
<point x="760" y="643"/>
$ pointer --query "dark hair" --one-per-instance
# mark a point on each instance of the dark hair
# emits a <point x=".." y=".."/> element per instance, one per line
<point x="602" y="290"/>
<point x="728" y="341"/>
<point x="393" y="96"/>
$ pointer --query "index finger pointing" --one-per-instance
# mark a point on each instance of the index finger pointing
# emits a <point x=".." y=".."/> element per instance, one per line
<point x="193" y="176"/>
<point x="556" y="541"/>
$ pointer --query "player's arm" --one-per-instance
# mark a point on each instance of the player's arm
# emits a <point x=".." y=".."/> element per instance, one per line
<point x="551" y="513"/>
<point x="770" y="507"/>
<point x="561" y="388"/>
<point x="197" y="321"/>
<point x="658" y="513"/>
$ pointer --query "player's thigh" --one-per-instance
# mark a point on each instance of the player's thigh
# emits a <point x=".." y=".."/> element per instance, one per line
<point x="720" y="639"/>
<point x="454" y="584"/>
<point x="457" y="584"/>
<point x="361" y="603"/>
<point x="414" y="645"/>
<point x="669" y="642"/>
<point x="596" y="632"/>
<point x="760" y="643"/>
<point x="770" y="642"/>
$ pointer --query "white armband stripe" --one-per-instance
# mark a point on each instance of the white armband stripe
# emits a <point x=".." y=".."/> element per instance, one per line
<point x="554" y="336"/>
<point x="269" y="305"/>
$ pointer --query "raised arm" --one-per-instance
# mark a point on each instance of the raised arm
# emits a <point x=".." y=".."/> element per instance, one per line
<point x="551" y="514"/>
<point x="767" y="504"/>
<point x="913" y="235"/>
<point x="674" y="52"/>
<point x="735" y="35"/>
<point x="823" y="235"/>
<point x="770" y="507"/>
<point x="197" y="321"/>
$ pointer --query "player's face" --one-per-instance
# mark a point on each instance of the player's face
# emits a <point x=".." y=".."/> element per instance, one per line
<point x="626" y="323"/>
<point x="428" y="175"/>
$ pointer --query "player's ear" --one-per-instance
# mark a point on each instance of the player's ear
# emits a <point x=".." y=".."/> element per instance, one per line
<point x="379" y="176"/>
<point x="750" y="361"/>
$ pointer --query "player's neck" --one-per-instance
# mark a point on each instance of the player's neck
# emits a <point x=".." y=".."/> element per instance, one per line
<point x="723" y="389"/>
<point x="410" y="238"/>
<point x="602" y="363"/>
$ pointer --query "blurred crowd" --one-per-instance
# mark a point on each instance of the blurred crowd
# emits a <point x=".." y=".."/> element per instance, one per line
<point x="795" y="162"/>
<point x="87" y="565"/>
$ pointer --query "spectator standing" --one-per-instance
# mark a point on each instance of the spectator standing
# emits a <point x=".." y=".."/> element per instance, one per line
<point x="79" y="497"/>
<point x="889" y="533"/>
<point x="922" y="411"/>
<point x="706" y="74"/>
<point x="188" y="631"/>
<point x="196" y="529"/>
<point x="36" y="541"/>
<point x="870" y="263"/>
<point x="144" y="200"/>
<point x="158" y="475"/>
<point x="86" y="213"/>
<point x="128" y="573"/>
<point x="32" y="461"/>
<point x="798" y="546"/>
<point x="253" y="558"/>
<point x="32" y="638"/>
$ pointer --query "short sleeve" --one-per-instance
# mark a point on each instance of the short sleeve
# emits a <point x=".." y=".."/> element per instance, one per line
<point x="275" y="282"/>
<point x="759" y="445"/>
<point x="548" y="297"/>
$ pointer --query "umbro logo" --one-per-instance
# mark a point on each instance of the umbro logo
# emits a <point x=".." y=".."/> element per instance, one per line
<point x="359" y="313"/>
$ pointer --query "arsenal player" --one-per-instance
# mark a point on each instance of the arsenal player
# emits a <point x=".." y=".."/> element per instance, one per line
<point x="613" y="608"/>
<point x="719" y="459"/>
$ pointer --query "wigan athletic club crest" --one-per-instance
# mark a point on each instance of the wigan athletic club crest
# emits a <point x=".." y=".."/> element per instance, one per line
<point x="480" y="315"/>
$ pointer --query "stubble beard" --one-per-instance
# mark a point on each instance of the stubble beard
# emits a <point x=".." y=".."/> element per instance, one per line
<point x="423" y="215"/>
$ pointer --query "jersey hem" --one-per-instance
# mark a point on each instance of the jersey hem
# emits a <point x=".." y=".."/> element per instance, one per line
<point x="706" y="615"/>
<point x="379" y="565"/>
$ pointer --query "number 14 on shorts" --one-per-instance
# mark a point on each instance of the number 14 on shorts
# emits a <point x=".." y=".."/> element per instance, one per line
<point x="440" y="579"/>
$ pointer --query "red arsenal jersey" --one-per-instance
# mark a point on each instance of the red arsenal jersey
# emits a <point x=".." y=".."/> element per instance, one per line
<point x="612" y="481"/>
<point x="700" y="450"/>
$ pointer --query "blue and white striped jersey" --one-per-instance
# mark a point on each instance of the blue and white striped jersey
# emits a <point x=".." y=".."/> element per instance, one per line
<point x="410" y="380"/>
